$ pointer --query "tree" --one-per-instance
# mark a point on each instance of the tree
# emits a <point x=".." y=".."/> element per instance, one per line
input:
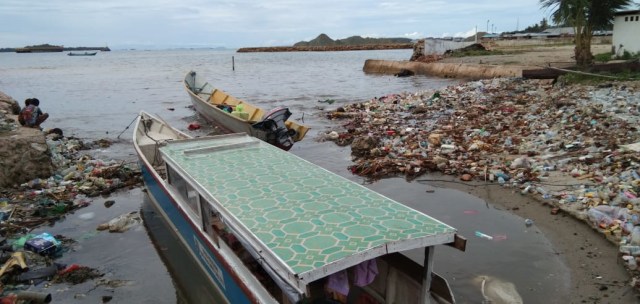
<point x="584" y="16"/>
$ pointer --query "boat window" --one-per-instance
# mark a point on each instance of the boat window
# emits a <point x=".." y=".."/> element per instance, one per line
<point x="192" y="199"/>
<point x="211" y="222"/>
<point x="188" y="193"/>
<point x="177" y="182"/>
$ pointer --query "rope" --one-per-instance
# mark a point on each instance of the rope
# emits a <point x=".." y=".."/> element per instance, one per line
<point x="125" y="129"/>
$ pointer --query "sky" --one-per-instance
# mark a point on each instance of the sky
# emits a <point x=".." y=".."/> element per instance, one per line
<point x="159" y="24"/>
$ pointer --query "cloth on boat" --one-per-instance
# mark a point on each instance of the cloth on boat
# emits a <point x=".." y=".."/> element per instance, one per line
<point x="366" y="272"/>
<point x="339" y="282"/>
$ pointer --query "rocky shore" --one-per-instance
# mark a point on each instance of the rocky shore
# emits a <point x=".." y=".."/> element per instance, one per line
<point x="24" y="154"/>
<point x="43" y="177"/>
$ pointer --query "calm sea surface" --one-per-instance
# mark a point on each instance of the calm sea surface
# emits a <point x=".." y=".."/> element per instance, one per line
<point x="97" y="97"/>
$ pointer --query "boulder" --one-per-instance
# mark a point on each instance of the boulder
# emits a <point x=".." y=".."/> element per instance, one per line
<point x="24" y="153"/>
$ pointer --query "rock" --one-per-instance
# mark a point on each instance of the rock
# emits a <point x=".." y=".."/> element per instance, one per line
<point x="9" y="104"/>
<point x="363" y="145"/>
<point x="466" y="177"/>
<point x="434" y="139"/>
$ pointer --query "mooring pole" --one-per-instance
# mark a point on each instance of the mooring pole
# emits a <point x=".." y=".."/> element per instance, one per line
<point x="233" y="63"/>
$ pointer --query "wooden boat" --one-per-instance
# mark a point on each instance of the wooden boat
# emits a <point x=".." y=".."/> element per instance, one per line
<point x="237" y="116"/>
<point x="82" y="54"/>
<point x="269" y="227"/>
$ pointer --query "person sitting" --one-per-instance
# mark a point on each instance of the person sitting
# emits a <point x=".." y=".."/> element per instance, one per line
<point x="31" y="115"/>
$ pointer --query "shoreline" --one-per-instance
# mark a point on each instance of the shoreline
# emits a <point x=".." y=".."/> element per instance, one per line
<point x="582" y="267"/>
<point x="524" y="140"/>
<point x="596" y="272"/>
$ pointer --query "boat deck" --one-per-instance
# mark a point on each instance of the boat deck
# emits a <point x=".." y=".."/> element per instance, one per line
<point x="306" y="221"/>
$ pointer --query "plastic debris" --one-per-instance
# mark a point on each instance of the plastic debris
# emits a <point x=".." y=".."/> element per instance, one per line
<point x="122" y="223"/>
<point x="572" y="147"/>
<point x="484" y="236"/>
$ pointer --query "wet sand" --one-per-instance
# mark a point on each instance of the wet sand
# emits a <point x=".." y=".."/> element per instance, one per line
<point x="597" y="275"/>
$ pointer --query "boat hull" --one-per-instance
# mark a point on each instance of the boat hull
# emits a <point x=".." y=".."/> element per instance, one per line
<point x="222" y="119"/>
<point x="82" y="54"/>
<point x="220" y="275"/>
<point x="277" y="130"/>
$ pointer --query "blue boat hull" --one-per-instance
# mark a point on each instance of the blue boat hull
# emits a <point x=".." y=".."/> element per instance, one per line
<point x="219" y="273"/>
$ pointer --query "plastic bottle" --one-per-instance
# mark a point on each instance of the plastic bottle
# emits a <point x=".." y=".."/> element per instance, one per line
<point x="630" y="250"/>
<point x="544" y="192"/>
<point x="601" y="219"/>
<point x="635" y="236"/>
<point x="632" y="264"/>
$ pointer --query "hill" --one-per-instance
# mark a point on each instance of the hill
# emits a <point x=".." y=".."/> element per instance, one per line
<point x="324" y="43"/>
<point x="324" y="40"/>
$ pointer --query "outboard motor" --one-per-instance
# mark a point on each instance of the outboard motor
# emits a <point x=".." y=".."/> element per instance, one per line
<point x="274" y="124"/>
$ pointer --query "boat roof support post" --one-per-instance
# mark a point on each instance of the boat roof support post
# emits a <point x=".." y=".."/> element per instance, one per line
<point x="426" y="275"/>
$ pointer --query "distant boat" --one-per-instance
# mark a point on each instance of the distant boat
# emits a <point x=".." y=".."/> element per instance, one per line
<point x="236" y="116"/>
<point x="82" y="54"/>
<point x="267" y="226"/>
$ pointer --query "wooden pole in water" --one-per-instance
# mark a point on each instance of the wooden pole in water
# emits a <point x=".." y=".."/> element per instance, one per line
<point x="233" y="63"/>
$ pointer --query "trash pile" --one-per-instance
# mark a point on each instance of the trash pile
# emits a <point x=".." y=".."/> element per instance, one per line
<point x="575" y="147"/>
<point x="29" y="259"/>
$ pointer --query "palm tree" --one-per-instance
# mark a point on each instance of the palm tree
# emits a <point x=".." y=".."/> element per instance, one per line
<point x="584" y="16"/>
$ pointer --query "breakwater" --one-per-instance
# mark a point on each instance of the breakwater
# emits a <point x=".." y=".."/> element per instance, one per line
<point x="329" y="48"/>
<point x="439" y="69"/>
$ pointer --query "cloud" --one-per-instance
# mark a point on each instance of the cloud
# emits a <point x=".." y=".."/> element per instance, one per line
<point x="247" y="22"/>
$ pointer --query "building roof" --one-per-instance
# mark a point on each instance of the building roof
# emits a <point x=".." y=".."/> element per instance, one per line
<point x="305" y="221"/>
<point x="559" y="31"/>
<point x="622" y="13"/>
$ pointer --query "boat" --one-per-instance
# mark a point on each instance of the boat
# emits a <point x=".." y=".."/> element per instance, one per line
<point x="236" y="116"/>
<point x="82" y="54"/>
<point x="267" y="226"/>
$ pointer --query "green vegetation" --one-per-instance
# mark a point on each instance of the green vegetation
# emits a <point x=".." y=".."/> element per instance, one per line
<point x="603" y="57"/>
<point x="573" y="78"/>
<point x="628" y="56"/>
<point x="324" y="40"/>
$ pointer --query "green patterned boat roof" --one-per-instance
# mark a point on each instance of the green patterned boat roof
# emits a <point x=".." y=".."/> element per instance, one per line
<point x="307" y="221"/>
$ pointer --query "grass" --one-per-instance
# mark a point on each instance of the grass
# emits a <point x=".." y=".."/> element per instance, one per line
<point x="603" y="57"/>
<point x="606" y="57"/>
<point x="572" y="78"/>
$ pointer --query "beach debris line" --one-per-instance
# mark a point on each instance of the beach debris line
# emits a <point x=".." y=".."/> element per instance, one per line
<point x="573" y="147"/>
<point x="78" y="178"/>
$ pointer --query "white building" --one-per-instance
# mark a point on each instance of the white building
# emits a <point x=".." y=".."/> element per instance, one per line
<point x="626" y="27"/>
